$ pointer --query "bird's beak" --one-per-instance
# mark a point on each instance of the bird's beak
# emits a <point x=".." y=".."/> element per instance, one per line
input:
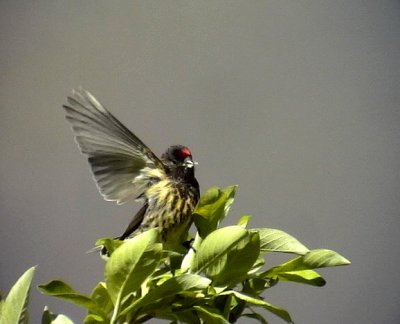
<point x="189" y="163"/>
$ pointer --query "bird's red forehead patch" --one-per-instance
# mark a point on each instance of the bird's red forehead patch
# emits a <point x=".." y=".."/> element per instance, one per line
<point x="185" y="152"/>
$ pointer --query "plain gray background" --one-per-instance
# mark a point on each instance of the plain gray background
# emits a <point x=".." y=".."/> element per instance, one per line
<point x="295" y="101"/>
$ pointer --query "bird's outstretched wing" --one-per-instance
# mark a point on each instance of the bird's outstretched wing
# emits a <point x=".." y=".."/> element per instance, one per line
<point x="122" y="165"/>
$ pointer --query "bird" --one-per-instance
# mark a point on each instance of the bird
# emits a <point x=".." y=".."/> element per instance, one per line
<point x="124" y="168"/>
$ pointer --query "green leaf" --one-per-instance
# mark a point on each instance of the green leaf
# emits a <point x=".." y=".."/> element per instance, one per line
<point x="60" y="289"/>
<point x="94" y="319"/>
<point x="212" y="208"/>
<point x="255" y="286"/>
<point x="309" y="277"/>
<point x="101" y="297"/>
<point x="322" y="258"/>
<point x="50" y="318"/>
<point x="186" y="316"/>
<point x="314" y="259"/>
<point x="244" y="220"/>
<point x="110" y="244"/>
<point x="258" y="264"/>
<point x="245" y="297"/>
<point x="171" y="287"/>
<point x="227" y="254"/>
<point x="131" y="264"/>
<point x="210" y="316"/>
<point x="257" y="317"/>
<point x="278" y="311"/>
<point x="14" y="309"/>
<point x="278" y="241"/>
<point x="176" y="285"/>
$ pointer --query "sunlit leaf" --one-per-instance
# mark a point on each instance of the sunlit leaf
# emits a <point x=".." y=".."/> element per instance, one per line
<point x="309" y="277"/>
<point x="101" y="297"/>
<point x="314" y="259"/>
<point x="227" y="254"/>
<point x="14" y="309"/>
<point x="171" y="287"/>
<point x="60" y="289"/>
<point x="212" y="208"/>
<point x="278" y="241"/>
<point x="245" y="297"/>
<point x="131" y="264"/>
<point x="322" y="258"/>
<point x="244" y="220"/>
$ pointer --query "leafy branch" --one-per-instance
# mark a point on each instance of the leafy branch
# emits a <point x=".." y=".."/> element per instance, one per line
<point x="219" y="280"/>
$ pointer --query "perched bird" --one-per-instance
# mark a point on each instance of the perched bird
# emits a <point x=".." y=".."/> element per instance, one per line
<point x="124" y="167"/>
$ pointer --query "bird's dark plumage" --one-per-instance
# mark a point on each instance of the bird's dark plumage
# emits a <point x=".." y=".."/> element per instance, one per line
<point x="124" y="167"/>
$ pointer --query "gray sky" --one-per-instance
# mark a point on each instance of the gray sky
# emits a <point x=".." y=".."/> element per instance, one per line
<point x="295" y="101"/>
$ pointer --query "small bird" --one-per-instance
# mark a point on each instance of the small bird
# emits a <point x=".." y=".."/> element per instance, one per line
<point x="125" y="168"/>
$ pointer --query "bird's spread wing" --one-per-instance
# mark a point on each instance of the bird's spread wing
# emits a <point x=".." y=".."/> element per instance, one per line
<point x="122" y="165"/>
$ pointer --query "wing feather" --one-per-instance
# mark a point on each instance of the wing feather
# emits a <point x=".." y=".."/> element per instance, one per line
<point x="119" y="160"/>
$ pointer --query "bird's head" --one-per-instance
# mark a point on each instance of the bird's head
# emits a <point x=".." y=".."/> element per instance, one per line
<point x="179" y="160"/>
